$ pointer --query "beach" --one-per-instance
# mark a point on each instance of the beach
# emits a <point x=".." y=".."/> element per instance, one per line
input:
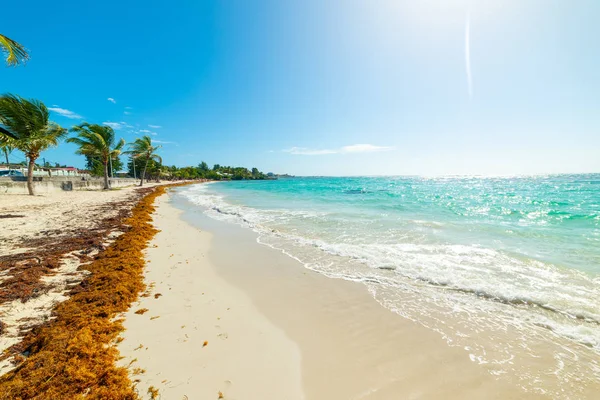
<point x="275" y="330"/>
<point x="323" y="200"/>
<point x="224" y="316"/>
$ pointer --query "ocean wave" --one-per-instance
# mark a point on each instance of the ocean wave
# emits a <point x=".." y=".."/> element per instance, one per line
<point x="481" y="272"/>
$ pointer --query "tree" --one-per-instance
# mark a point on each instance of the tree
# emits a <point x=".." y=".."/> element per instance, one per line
<point x="203" y="167"/>
<point x="165" y="172"/>
<point x="25" y="125"/>
<point x="96" y="168"/>
<point x="98" y="142"/>
<point x="134" y="165"/>
<point x="142" y="148"/>
<point x="15" y="53"/>
<point x="6" y="149"/>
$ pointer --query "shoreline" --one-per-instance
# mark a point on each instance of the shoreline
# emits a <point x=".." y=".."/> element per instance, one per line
<point x="349" y="345"/>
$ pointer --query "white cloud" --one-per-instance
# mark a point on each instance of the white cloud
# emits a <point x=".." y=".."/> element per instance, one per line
<point x="129" y="108"/>
<point x="147" y="131"/>
<point x="355" y="148"/>
<point x="155" y="126"/>
<point x="114" y="125"/>
<point x="65" y="113"/>
<point x="112" y="100"/>
<point x="126" y="113"/>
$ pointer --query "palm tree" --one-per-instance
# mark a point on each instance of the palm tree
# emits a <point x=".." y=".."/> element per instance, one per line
<point x="165" y="172"/>
<point x="6" y="149"/>
<point x="97" y="142"/>
<point x="15" y="53"/>
<point x="142" y="148"/>
<point x="25" y="125"/>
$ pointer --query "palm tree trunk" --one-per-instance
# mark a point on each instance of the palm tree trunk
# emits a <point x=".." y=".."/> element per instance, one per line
<point x="144" y="173"/>
<point x="30" y="175"/>
<point x="106" y="185"/>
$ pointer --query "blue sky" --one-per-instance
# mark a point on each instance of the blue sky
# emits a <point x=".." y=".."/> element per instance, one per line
<point x="339" y="87"/>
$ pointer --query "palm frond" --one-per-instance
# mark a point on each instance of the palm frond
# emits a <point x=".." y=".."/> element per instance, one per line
<point x="143" y="146"/>
<point x="25" y="124"/>
<point x="6" y="134"/>
<point x="15" y="53"/>
<point x="120" y="145"/>
<point x="96" y="141"/>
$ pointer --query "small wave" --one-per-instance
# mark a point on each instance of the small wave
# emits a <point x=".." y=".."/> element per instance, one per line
<point x="525" y="301"/>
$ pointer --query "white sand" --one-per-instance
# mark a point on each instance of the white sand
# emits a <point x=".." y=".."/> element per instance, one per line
<point x="247" y="357"/>
<point x="63" y="211"/>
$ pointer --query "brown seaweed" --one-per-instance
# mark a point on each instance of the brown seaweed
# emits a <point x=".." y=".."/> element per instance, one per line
<point x="73" y="355"/>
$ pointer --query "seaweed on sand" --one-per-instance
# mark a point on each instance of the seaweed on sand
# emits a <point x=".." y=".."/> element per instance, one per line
<point x="45" y="253"/>
<point x="72" y="355"/>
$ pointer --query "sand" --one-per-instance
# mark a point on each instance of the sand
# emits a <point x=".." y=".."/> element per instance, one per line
<point x="201" y="335"/>
<point x="276" y="330"/>
<point x="59" y="212"/>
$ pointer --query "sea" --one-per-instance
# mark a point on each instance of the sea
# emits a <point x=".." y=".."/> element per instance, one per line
<point x="506" y="268"/>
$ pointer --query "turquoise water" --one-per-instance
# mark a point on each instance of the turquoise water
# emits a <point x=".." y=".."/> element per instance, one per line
<point x="479" y="260"/>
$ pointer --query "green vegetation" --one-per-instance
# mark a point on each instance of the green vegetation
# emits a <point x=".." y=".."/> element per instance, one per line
<point x="15" y="53"/>
<point x="99" y="144"/>
<point x="26" y="127"/>
<point x="95" y="167"/>
<point x="143" y="150"/>
<point x="202" y="171"/>
<point x="156" y="171"/>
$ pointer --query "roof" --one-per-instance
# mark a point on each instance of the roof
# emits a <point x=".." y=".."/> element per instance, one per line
<point x="64" y="169"/>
